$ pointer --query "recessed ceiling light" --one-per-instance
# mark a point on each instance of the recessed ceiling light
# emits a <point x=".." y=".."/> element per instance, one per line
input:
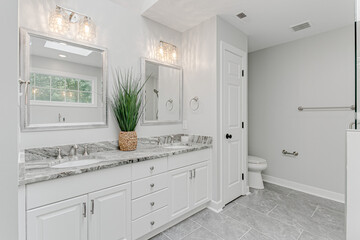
<point x="68" y="48"/>
<point x="62" y="55"/>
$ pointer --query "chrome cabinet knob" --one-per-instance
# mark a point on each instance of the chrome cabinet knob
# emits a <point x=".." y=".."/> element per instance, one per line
<point x="152" y="204"/>
<point x="152" y="168"/>
<point x="152" y="185"/>
<point x="152" y="223"/>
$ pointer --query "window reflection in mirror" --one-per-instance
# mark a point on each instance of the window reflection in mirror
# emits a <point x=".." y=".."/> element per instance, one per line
<point x="67" y="85"/>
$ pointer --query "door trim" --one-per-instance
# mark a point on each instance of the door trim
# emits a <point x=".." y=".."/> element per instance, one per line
<point x="244" y="136"/>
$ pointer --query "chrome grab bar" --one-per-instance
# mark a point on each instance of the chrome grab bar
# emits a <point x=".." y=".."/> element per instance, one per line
<point x="352" y="108"/>
<point x="290" y="153"/>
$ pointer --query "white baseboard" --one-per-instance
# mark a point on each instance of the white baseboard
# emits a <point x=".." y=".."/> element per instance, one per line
<point x="338" y="197"/>
<point x="216" y="206"/>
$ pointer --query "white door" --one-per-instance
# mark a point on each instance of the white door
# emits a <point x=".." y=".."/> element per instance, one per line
<point x="233" y="64"/>
<point x="180" y="191"/>
<point x="109" y="214"/>
<point x="200" y="184"/>
<point x="59" y="221"/>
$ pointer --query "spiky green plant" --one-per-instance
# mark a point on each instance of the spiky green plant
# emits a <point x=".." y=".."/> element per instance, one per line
<point x="127" y="101"/>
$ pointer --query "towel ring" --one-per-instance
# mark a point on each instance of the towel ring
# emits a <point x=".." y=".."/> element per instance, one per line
<point x="169" y="104"/>
<point x="197" y="104"/>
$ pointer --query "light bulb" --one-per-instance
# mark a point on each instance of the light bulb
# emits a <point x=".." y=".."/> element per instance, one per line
<point x="161" y="51"/>
<point x="174" y="54"/>
<point x="59" y="21"/>
<point x="87" y="29"/>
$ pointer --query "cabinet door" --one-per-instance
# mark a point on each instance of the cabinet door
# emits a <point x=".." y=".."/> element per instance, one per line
<point x="180" y="191"/>
<point x="63" y="220"/>
<point x="200" y="184"/>
<point x="109" y="214"/>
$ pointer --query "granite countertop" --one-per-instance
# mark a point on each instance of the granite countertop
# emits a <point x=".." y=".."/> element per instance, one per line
<point x="39" y="162"/>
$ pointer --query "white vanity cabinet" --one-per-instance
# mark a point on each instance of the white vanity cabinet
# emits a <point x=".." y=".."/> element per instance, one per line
<point x="104" y="214"/>
<point x="189" y="188"/>
<point x="58" y="221"/>
<point x="109" y="214"/>
<point x="133" y="201"/>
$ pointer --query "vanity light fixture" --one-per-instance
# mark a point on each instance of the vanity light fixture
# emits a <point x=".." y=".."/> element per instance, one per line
<point x="166" y="52"/>
<point x="61" y="18"/>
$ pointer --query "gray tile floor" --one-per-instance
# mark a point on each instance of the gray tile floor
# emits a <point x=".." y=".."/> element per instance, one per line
<point x="275" y="213"/>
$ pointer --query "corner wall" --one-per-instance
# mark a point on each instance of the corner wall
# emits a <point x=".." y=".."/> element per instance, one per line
<point x="315" y="71"/>
<point x="9" y="127"/>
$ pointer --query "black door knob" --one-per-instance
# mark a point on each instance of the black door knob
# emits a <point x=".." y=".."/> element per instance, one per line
<point x="228" y="136"/>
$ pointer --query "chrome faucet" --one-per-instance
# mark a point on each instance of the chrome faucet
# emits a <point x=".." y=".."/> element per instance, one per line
<point x="73" y="150"/>
<point x="172" y="139"/>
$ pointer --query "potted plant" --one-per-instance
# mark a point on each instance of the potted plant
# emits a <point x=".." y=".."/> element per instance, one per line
<point x="127" y="106"/>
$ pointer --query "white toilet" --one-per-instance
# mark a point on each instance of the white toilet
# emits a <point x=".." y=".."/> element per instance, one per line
<point x="255" y="166"/>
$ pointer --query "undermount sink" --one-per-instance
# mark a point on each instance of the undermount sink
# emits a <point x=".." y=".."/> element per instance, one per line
<point x="176" y="146"/>
<point x="76" y="163"/>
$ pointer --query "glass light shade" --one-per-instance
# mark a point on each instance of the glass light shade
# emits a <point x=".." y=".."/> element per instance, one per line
<point x="166" y="53"/>
<point x="59" y="21"/>
<point x="87" y="29"/>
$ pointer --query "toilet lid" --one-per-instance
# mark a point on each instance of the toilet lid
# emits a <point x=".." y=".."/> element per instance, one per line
<point x="256" y="160"/>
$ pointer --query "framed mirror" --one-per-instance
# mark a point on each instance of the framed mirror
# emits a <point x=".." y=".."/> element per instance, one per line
<point x="63" y="83"/>
<point x="163" y="92"/>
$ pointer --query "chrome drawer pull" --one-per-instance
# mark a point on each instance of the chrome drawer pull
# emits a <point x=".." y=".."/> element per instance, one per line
<point x="152" y="185"/>
<point x="152" y="223"/>
<point x="152" y="204"/>
<point x="92" y="206"/>
<point x="152" y="168"/>
<point x="84" y="210"/>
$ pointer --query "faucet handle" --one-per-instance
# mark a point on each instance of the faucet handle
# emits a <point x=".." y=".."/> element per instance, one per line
<point x="59" y="153"/>
<point x="86" y="152"/>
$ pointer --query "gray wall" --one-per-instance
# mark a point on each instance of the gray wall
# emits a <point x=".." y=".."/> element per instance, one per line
<point x="9" y="121"/>
<point x="316" y="71"/>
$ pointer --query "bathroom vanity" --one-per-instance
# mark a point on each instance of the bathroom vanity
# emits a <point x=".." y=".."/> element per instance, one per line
<point x="125" y="195"/>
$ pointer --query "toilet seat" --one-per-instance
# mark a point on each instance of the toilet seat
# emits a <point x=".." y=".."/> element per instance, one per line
<point x="256" y="160"/>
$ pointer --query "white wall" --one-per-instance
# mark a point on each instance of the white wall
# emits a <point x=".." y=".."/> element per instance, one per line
<point x="9" y="121"/>
<point x="126" y="34"/>
<point x="229" y="34"/>
<point x="201" y="47"/>
<point x="199" y="63"/>
<point x="316" y="71"/>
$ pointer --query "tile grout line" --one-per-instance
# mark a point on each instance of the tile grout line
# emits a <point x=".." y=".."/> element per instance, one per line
<point x="205" y="228"/>
<point x="166" y="235"/>
<point x="193" y="230"/>
<point x="245" y="233"/>
<point x="302" y="230"/>
<point x="272" y="209"/>
<point x="317" y="207"/>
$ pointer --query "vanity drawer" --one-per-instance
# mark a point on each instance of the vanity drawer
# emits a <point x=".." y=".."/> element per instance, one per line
<point x="150" y="222"/>
<point x="186" y="159"/>
<point x="150" y="203"/>
<point x="149" y="185"/>
<point x="149" y="168"/>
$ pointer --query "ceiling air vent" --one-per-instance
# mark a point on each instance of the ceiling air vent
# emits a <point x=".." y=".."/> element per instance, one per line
<point x="241" y="15"/>
<point x="301" y="26"/>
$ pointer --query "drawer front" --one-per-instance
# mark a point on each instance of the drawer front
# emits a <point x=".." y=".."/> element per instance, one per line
<point x="150" y="203"/>
<point x="149" y="168"/>
<point x="149" y="185"/>
<point x="149" y="222"/>
<point x="186" y="159"/>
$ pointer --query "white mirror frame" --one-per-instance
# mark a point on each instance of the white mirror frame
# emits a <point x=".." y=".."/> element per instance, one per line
<point x="145" y="122"/>
<point x="24" y="69"/>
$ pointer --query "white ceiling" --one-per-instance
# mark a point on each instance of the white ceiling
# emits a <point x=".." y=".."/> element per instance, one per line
<point x="268" y="21"/>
